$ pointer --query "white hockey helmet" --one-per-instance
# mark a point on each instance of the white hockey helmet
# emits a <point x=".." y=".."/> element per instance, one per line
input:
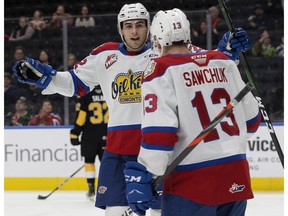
<point x="131" y="12"/>
<point x="170" y="26"/>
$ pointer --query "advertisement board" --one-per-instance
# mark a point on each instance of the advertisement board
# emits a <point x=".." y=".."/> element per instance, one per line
<point x="39" y="153"/>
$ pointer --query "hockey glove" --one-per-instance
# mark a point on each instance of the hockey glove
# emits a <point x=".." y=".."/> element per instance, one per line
<point x="32" y="71"/>
<point x="74" y="139"/>
<point x="139" y="189"/>
<point x="233" y="43"/>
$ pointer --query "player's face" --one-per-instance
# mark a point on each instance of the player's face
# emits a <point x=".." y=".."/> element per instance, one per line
<point x="134" y="33"/>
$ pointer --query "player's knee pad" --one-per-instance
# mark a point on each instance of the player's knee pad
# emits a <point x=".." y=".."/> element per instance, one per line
<point x="116" y="210"/>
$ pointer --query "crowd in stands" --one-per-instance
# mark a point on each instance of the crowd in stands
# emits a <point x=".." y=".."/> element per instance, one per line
<point x="39" y="35"/>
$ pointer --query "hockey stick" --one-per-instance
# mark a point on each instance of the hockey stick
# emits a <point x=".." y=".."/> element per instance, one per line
<point x="225" y="111"/>
<point x="251" y="79"/>
<point x="60" y="185"/>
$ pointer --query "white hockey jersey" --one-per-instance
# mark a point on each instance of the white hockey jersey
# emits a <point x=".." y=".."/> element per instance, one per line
<point x="119" y="74"/>
<point x="182" y="94"/>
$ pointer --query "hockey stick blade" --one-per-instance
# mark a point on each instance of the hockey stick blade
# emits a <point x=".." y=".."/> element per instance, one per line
<point x="43" y="197"/>
<point x="225" y="111"/>
<point x="251" y="80"/>
<point x="40" y="197"/>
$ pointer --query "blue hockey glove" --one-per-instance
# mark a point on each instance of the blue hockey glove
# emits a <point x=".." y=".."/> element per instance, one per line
<point x="240" y="40"/>
<point x="233" y="43"/>
<point x="139" y="190"/>
<point x="32" y="71"/>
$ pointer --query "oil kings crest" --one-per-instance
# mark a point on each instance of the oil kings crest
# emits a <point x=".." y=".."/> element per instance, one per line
<point x="127" y="87"/>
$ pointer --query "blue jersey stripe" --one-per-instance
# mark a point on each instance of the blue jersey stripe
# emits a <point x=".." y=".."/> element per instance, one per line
<point x="124" y="127"/>
<point x="156" y="147"/>
<point x="159" y="129"/>
<point x="77" y="82"/>
<point x="253" y="120"/>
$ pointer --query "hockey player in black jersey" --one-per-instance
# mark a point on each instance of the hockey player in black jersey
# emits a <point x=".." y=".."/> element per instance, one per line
<point x="91" y="123"/>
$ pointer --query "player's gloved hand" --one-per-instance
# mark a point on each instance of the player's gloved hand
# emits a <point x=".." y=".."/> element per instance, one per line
<point x="139" y="189"/>
<point x="233" y="43"/>
<point x="32" y="71"/>
<point x="74" y="139"/>
<point x="156" y="204"/>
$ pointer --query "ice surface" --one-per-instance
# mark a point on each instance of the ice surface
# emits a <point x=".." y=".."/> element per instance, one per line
<point x="75" y="203"/>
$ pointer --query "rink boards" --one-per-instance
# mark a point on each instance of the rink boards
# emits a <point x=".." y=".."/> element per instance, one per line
<point x="40" y="158"/>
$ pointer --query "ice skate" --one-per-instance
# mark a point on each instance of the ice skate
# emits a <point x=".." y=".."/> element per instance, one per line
<point x="91" y="192"/>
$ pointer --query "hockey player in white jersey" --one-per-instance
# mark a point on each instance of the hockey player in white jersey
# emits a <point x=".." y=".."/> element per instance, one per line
<point x="182" y="92"/>
<point x="118" y="69"/>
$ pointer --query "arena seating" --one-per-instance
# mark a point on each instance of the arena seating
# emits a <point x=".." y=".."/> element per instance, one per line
<point x="269" y="73"/>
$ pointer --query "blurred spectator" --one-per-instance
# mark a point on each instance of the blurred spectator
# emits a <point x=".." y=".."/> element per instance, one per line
<point x="276" y="103"/>
<point x="11" y="93"/>
<point x="46" y="116"/>
<point x="44" y="57"/>
<point x="280" y="48"/>
<point x="271" y="9"/>
<point x="19" y="54"/>
<point x="21" y="116"/>
<point x="257" y="20"/>
<point x="38" y="22"/>
<point x="275" y="14"/>
<point x="6" y="36"/>
<point x="33" y="94"/>
<point x="59" y="16"/>
<point x="199" y="35"/>
<point x="218" y="24"/>
<point x="71" y="61"/>
<point x="85" y="20"/>
<point x="23" y="31"/>
<point x="263" y="47"/>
